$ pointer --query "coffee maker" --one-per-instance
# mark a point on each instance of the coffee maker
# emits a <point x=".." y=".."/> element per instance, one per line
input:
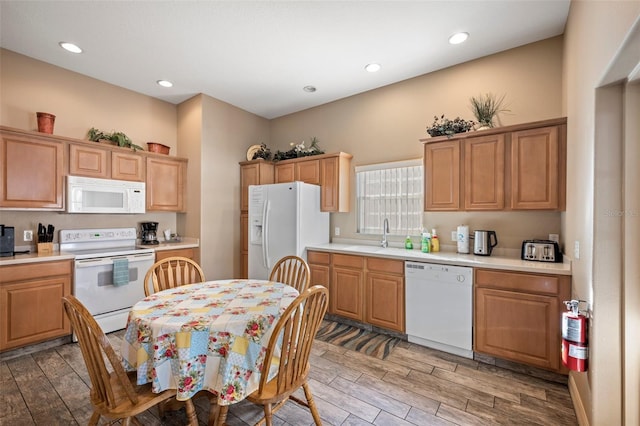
<point x="7" y="242"/>
<point x="149" y="230"/>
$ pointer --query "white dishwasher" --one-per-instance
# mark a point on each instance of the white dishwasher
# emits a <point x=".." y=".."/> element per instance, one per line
<point x="439" y="306"/>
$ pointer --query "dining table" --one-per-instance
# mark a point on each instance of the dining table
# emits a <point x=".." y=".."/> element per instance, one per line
<point x="208" y="336"/>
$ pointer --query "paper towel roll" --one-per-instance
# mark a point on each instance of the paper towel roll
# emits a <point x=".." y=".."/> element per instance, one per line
<point x="463" y="239"/>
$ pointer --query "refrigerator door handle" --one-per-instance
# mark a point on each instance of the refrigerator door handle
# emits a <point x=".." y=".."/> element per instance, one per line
<point x="265" y="234"/>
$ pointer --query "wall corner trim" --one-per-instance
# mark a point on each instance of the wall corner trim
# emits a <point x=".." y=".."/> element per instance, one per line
<point x="578" y="405"/>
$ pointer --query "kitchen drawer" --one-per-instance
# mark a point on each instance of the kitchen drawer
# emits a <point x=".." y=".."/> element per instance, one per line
<point x="318" y="257"/>
<point x="31" y="271"/>
<point x="388" y="266"/>
<point x="543" y="284"/>
<point x="348" y="261"/>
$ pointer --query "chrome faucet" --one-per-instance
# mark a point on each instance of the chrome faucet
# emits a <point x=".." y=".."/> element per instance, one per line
<point x="385" y="231"/>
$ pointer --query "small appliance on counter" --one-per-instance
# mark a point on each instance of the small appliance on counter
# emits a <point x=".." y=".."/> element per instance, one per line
<point x="149" y="232"/>
<point x="484" y="242"/>
<point x="541" y="251"/>
<point x="7" y="241"/>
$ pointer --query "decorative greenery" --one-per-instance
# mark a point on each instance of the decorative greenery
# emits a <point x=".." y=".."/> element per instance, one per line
<point x="119" y="138"/>
<point x="299" y="150"/>
<point x="263" y="152"/>
<point x="443" y="126"/>
<point x="486" y="107"/>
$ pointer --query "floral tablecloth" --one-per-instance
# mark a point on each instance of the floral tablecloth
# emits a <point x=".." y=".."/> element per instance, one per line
<point x="210" y="336"/>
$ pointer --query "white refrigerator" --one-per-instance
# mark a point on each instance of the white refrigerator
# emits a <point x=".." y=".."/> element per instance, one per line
<point x="284" y="218"/>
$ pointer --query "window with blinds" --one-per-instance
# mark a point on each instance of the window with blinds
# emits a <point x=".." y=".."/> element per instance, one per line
<point x="392" y="191"/>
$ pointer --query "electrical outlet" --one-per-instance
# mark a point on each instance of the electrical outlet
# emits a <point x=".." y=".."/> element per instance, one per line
<point x="454" y="235"/>
<point x="576" y="249"/>
<point x="555" y="237"/>
<point x="336" y="232"/>
<point x="28" y="235"/>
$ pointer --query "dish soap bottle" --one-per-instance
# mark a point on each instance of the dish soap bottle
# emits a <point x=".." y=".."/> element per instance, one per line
<point x="408" y="244"/>
<point x="435" y="242"/>
<point x="425" y="245"/>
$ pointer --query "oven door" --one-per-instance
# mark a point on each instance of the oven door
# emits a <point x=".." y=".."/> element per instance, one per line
<point x="93" y="282"/>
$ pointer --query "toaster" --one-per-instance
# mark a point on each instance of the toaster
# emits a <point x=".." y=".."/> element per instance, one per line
<point x="541" y="251"/>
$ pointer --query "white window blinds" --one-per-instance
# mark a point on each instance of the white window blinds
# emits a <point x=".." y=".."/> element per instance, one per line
<point x="392" y="191"/>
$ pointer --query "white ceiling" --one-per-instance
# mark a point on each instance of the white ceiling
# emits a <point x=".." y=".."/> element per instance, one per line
<point x="258" y="55"/>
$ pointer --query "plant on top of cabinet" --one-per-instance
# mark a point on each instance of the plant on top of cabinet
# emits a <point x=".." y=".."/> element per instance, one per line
<point x="118" y="138"/>
<point x="299" y="150"/>
<point x="448" y="127"/>
<point x="486" y="107"/>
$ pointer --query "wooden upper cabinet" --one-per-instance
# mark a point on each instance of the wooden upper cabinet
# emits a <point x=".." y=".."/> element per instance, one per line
<point x="105" y="163"/>
<point x="442" y="176"/>
<point x="335" y="173"/>
<point x="256" y="172"/>
<point x="285" y="173"/>
<point x="536" y="169"/>
<point x="330" y="171"/>
<point x="166" y="184"/>
<point x="89" y="161"/>
<point x="520" y="167"/>
<point x="32" y="175"/>
<point x="125" y="166"/>
<point x="308" y="171"/>
<point x="484" y="173"/>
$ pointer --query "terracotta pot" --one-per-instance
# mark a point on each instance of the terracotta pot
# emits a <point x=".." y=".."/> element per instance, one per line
<point x="45" y="122"/>
<point x="158" y="147"/>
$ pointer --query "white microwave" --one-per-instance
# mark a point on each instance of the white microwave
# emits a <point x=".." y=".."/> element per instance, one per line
<point x="91" y="195"/>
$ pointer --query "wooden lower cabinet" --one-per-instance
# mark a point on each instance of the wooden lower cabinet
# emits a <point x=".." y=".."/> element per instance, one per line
<point x="31" y="302"/>
<point x="346" y="287"/>
<point x="364" y="289"/>
<point x="384" y="293"/>
<point x="319" y="266"/>
<point x="192" y="253"/>
<point x="518" y="316"/>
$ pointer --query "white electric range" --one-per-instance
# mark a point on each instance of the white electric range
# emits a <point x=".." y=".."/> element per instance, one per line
<point x="95" y="251"/>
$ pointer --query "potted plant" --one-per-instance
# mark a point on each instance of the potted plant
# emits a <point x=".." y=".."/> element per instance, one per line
<point x="485" y="108"/>
<point x="117" y="138"/>
<point x="444" y="127"/>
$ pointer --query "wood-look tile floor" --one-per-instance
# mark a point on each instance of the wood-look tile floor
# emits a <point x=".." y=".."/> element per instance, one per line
<point x="412" y="386"/>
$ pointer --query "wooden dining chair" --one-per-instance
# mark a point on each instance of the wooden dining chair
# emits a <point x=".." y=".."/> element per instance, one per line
<point x="172" y="272"/>
<point x="296" y="330"/>
<point x="114" y="393"/>
<point x="293" y="271"/>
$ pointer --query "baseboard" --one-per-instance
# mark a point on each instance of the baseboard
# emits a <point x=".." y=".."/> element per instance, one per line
<point x="578" y="406"/>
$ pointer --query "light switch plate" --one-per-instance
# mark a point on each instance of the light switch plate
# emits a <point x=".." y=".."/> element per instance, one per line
<point x="576" y="249"/>
<point x="336" y="232"/>
<point x="28" y="235"/>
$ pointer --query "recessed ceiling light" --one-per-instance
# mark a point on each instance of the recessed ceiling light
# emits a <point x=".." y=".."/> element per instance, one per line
<point x="70" y="47"/>
<point x="458" y="38"/>
<point x="373" y="67"/>
<point x="309" y="89"/>
<point x="165" y="83"/>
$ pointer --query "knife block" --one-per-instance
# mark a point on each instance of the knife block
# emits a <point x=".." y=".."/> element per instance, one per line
<point x="45" y="248"/>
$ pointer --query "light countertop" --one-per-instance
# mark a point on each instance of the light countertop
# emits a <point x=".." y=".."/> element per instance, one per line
<point x="185" y="242"/>
<point x="61" y="255"/>
<point x="448" y="258"/>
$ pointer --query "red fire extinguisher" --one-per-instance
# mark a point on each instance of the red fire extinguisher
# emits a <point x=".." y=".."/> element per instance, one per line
<point x="575" y="350"/>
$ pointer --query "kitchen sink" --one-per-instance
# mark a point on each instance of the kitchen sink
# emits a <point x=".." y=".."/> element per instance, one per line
<point x="363" y="248"/>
